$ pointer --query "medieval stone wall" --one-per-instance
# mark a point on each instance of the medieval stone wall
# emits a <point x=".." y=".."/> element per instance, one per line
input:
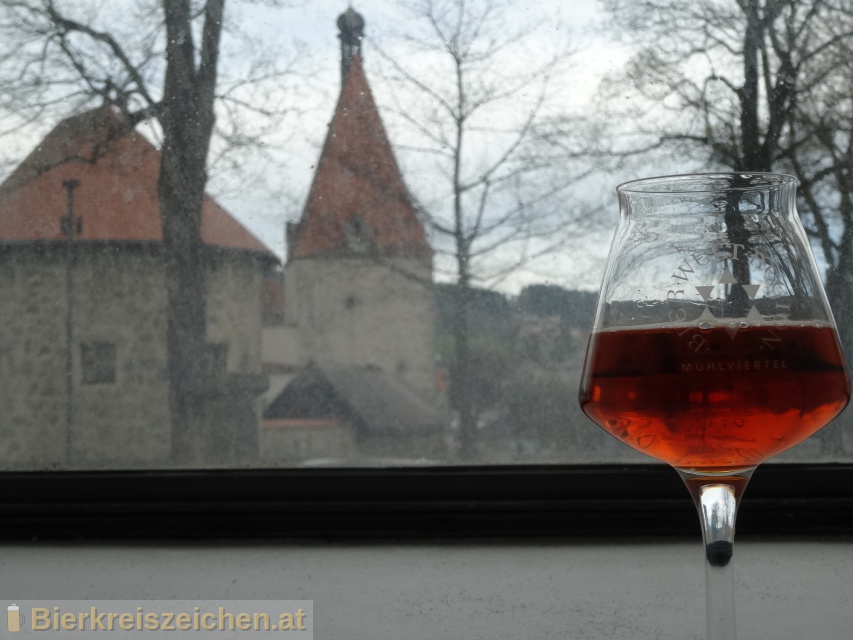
<point x="234" y="309"/>
<point x="122" y="419"/>
<point x="356" y="311"/>
<point x="119" y="409"/>
<point x="120" y="299"/>
<point x="32" y="353"/>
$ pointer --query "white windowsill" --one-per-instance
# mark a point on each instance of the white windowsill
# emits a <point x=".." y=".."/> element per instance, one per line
<point x="472" y="590"/>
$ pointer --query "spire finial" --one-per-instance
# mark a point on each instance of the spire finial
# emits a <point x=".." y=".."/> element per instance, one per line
<point x="351" y="25"/>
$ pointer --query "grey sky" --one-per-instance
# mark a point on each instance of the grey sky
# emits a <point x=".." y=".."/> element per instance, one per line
<point x="270" y="187"/>
<point x="265" y="212"/>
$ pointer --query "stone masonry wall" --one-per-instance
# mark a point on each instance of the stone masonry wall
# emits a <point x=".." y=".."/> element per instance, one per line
<point x="358" y="312"/>
<point x="119" y="299"/>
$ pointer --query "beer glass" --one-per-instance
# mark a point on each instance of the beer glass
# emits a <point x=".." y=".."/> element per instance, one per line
<point x="713" y="346"/>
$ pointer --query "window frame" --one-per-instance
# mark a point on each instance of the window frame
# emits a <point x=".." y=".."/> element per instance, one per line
<point x="500" y="502"/>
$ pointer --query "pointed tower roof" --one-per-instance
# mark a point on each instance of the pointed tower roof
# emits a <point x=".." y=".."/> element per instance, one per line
<point x="358" y="202"/>
<point x="117" y="171"/>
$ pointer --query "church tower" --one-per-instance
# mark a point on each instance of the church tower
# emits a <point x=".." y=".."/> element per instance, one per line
<point x="358" y="278"/>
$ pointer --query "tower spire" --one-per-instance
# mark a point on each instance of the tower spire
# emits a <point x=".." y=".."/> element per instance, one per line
<point x="358" y="202"/>
<point x="351" y="25"/>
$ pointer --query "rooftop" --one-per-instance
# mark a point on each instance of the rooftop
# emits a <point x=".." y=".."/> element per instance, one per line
<point x="358" y="201"/>
<point x="117" y="171"/>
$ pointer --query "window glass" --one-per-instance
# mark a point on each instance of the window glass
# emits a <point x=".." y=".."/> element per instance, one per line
<point x="261" y="234"/>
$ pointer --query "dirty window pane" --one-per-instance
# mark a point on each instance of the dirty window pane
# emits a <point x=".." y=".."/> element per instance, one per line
<point x="269" y="234"/>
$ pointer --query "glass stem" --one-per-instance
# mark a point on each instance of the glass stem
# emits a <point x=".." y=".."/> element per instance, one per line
<point x="717" y="500"/>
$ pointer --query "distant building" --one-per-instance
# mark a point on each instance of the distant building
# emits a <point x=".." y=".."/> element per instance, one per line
<point x="358" y="290"/>
<point x="347" y="413"/>
<point x="83" y="360"/>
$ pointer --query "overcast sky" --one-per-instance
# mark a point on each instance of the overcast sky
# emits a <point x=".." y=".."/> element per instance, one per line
<point x="270" y="189"/>
<point x="314" y="26"/>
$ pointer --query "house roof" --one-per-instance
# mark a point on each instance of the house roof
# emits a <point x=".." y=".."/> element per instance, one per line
<point x="376" y="400"/>
<point x="117" y="170"/>
<point x="358" y="185"/>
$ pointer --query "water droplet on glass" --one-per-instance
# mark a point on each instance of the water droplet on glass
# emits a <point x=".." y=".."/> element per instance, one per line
<point x="744" y="325"/>
<point x="704" y="325"/>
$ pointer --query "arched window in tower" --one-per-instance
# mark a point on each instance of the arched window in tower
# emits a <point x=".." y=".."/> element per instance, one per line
<point x="358" y="236"/>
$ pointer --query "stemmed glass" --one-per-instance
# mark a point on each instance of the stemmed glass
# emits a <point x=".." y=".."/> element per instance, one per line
<point x="713" y="346"/>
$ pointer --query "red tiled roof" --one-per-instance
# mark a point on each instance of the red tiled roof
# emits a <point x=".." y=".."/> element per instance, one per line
<point x="357" y="174"/>
<point x="117" y="194"/>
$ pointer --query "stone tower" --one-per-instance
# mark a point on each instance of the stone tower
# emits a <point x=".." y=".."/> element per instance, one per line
<point x="83" y="359"/>
<point x="358" y="278"/>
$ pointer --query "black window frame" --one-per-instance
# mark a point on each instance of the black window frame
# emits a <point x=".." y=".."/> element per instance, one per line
<point x="490" y="502"/>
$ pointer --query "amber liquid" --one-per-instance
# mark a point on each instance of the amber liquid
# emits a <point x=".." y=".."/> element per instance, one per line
<point x="717" y="399"/>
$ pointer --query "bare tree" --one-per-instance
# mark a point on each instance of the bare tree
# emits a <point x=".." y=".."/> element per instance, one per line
<point x="470" y="118"/>
<point x="752" y="85"/>
<point x="749" y="85"/>
<point x="821" y="153"/>
<point x="719" y="75"/>
<point x="161" y="61"/>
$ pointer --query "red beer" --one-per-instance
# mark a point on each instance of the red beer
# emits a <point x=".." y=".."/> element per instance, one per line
<point x="720" y="398"/>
